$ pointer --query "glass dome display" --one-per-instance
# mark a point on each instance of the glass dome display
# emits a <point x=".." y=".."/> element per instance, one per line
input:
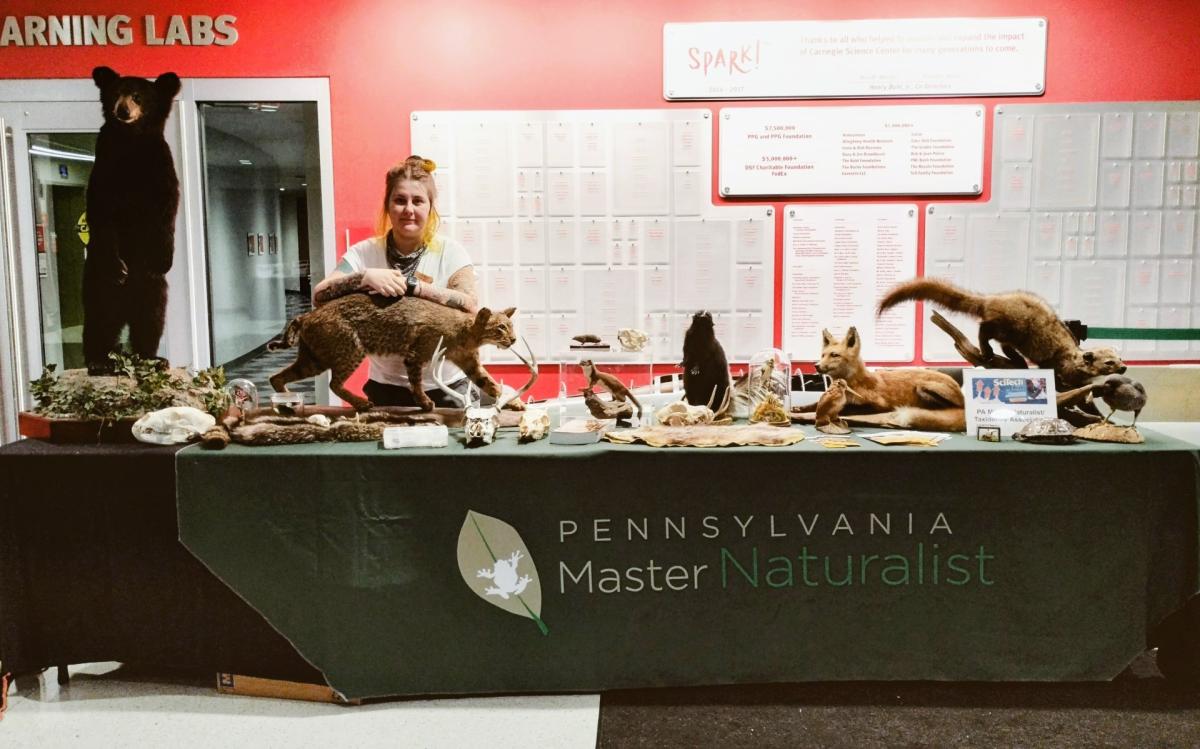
<point x="763" y="393"/>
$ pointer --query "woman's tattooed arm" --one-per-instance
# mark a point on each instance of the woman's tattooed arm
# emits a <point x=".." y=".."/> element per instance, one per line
<point x="337" y="287"/>
<point x="458" y="294"/>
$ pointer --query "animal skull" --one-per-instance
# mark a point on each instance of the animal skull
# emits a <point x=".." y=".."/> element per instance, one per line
<point x="534" y="424"/>
<point x="481" y="425"/>
<point x="680" y="413"/>
<point x="174" y="425"/>
<point x="632" y="339"/>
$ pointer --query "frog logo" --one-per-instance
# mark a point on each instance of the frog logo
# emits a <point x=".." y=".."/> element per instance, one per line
<point x="504" y="577"/>
<point x="514" y="584"/>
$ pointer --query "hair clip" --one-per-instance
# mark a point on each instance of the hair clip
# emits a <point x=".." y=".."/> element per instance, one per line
<point x="428" y="165"/>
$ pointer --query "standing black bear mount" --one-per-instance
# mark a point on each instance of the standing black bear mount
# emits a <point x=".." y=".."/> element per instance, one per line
<point x="132" y="198"/>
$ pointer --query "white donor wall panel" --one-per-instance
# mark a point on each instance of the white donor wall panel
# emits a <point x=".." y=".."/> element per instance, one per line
<point x="592" y="221"/>
<point x="904" y="150"/>
<point x="1094" y="207"/>
<point x="838" y="260"/>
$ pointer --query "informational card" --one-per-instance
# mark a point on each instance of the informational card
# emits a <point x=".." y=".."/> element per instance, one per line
<point x="1008" y="399"/>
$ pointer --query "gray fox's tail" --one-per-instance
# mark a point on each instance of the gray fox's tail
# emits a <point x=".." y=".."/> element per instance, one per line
<point x="937" y="291"/>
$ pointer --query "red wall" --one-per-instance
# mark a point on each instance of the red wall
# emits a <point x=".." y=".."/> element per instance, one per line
<point x="386" y="59"/>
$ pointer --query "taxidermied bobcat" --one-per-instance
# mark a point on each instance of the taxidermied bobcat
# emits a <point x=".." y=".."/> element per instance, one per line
<point x="337" y="335"/>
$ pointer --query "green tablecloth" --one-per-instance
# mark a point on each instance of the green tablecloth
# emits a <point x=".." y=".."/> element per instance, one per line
<point x="681" y="566"/>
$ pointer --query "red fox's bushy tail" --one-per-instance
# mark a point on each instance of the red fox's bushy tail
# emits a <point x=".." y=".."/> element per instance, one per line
<point x="934" y="290"/>
<point x="288" y="338"/>
<point x="930" y="420"/>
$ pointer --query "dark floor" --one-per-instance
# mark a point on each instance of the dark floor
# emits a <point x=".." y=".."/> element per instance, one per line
<point x="1137" y="709"/>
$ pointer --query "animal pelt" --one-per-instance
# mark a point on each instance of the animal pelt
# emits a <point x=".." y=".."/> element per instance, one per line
<point x="1024" y="325"/>
<point x="707" y="435"/>
<point x="294" y="430"/>
<point x="132" y="199"/>
<point x="705" y="368"/>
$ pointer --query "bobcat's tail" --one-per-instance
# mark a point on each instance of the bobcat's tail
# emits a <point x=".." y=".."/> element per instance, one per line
<point x="288" y="338"/>
<point x="934" y="290"/>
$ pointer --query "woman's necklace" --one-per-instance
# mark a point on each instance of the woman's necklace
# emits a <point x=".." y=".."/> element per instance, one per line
<point x="396" y="260"/>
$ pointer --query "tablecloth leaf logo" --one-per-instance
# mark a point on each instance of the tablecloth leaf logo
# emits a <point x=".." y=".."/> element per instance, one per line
<point x="496" y="565"/>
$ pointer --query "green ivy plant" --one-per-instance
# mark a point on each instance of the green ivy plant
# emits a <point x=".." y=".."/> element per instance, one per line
<point x="138" y="387"/>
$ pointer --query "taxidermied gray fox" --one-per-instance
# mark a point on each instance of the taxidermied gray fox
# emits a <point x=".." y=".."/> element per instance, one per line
<point x="1023" y="323"/>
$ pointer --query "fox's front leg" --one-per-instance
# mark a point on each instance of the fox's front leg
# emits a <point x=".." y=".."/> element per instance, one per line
<point x="987" y="331"/>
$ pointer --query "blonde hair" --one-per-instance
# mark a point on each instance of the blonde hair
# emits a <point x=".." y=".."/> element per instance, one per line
<point x="415" y="169"/>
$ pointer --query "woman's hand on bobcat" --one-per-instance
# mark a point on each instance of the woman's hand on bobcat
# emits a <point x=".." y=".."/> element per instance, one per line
<point x="384" y="281"/>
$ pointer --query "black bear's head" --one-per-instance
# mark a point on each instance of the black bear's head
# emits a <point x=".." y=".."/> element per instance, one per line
<point x="702" y="320"/>
<point x="135" y="103"/>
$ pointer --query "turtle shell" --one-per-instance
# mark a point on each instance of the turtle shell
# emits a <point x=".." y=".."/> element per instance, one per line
<point x="1047" y="431"/>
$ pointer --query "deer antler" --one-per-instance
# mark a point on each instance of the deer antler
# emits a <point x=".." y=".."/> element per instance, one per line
<point x="436" y="365"/>
<point x="531" y="365"/>
<point x="726" y="401"/>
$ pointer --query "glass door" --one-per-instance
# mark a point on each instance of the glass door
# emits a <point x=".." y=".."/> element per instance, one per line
<point x="49" y="149"/>
<point x="10" y="319"/>
<point x="263" y="158"/>
<point x="222" y="303"/>
<point x="261" y="174"/>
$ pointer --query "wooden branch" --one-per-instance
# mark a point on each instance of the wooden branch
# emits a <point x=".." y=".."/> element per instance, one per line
<point x="969" y="350"/>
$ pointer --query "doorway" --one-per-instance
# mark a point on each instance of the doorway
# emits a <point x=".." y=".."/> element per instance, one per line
<point x="262" y="170"/>
<point x="49" y="129"/>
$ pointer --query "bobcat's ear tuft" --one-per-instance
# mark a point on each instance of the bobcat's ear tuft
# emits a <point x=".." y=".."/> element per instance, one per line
<point x="852" y="337"/>
<point x="826" y="337"/>
<point x="482" y="316"/>
<point x="510" y="312"/>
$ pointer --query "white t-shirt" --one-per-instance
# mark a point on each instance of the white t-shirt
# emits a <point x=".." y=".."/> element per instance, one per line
<point x="443" y="258"/>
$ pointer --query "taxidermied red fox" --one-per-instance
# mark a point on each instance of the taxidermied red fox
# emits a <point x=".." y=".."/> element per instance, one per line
<point x="908" y="398"/>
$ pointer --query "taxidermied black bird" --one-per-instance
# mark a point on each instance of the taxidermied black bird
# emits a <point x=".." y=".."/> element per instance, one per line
<point x="1121" y="394"/>
<point x="705" y="368"/>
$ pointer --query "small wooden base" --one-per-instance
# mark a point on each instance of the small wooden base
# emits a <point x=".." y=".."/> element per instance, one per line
<point x="74" y="431"/>
<point x="253" y="686"/>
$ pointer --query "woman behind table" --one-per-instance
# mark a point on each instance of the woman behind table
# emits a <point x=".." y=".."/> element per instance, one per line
<point x="407" y="258"/>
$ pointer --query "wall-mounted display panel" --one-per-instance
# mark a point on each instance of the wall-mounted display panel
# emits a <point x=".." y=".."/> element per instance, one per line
<point x="592" y="221"/>
<point x="860" y="58"/>
<point x="838" y="260"/>
<point x="1094" y="207"/>
<point x="904" y="150"/>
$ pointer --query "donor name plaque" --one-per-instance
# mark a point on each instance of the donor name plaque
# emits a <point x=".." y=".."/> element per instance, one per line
<point x="854" y="59"/>
<point x="903" y="150"/>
